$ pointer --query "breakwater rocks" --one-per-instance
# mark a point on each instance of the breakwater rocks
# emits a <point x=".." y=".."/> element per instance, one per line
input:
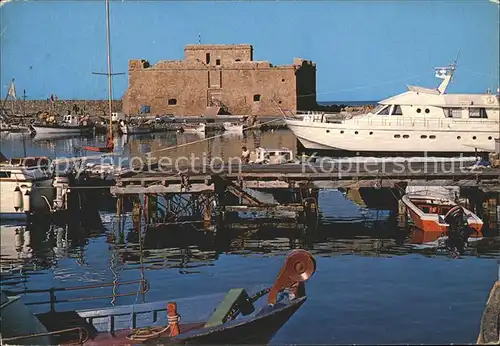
<point x="95" y="108"/>
<point x="98" y="108"/>
<point x="334" y="108"/>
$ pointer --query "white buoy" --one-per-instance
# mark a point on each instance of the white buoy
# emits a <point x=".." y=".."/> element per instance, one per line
<point x="26" y="201"/>
<point x="18" y="198"/>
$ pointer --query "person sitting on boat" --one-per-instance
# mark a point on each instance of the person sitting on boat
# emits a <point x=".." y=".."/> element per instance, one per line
<point x="245" y="155"/>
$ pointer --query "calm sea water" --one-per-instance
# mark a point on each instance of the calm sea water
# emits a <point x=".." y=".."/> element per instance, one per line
<point x="371" y="285"/>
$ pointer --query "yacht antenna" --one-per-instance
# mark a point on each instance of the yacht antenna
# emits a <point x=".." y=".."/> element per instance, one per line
<point x="446" y="73"/>
<point x="453" y="66"/>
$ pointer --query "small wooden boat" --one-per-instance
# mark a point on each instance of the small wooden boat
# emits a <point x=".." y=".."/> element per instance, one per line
<point x="441" y="215"/>
<point x="233" y="127"/>
<point x="194" y="128"/>
<point x="239" y="316"/>
<point x="134" y="129"/>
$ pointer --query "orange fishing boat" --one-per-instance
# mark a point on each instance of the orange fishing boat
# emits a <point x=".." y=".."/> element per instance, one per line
<point x="440" y="215"/>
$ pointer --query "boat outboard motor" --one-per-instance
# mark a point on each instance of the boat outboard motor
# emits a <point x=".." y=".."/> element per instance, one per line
<point x="458" y="231"/>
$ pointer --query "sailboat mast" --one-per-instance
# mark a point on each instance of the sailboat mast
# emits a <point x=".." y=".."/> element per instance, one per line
<point x="110" y="93"/>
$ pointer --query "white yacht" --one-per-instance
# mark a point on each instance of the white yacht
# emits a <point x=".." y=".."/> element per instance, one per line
<point x="418" y="120"/>
<point x="26" y="186"/>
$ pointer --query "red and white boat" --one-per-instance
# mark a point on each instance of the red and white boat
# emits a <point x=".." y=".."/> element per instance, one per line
<point x="437" y="215"/>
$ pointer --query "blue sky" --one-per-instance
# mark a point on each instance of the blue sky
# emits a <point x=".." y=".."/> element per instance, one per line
<point x="364" y="50"/>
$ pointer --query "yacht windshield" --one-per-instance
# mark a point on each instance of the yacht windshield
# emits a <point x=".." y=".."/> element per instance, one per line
<point x="377" y="109"/>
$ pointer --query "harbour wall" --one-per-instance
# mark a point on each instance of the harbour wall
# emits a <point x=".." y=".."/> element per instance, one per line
<point x="97" y="108"/>
<point x="94" y="108"/>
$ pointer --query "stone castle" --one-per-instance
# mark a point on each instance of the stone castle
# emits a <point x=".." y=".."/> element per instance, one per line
<point x="219" y="79"/>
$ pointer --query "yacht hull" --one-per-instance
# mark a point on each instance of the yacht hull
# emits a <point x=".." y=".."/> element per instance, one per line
<point x="348" y="137"/>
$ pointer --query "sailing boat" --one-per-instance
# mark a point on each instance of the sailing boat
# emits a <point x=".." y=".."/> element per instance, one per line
<point x="109" y="138"/>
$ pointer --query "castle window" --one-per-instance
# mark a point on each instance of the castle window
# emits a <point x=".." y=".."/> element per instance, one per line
<point x="282" y="79"/>
<point x="238" y="60"/>
<point x="172" y="102"/>
<point x="217" y="62"/>
<point x="256" y="98"/>
<point x="207" y="58"/>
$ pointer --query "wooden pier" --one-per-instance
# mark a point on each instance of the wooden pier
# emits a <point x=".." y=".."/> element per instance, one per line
<point x="326" y="176"/>
<point x="225" y="194"/>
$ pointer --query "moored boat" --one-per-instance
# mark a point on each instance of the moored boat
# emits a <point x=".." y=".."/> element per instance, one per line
<point x="240" y="316"/>
<point x="6" y="127"/>
<point x="26" y="186"/>
<point x="440" y="215"/>
<point x="194" y="128"/>
<point x="233" y="126"/>
<point x="134" y="129"/>
<point x="273" y="156"/>
<point x="71" y="124"/>
<point x="420" y="120"/>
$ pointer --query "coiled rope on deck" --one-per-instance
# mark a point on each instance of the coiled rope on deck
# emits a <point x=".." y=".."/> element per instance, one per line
<point x="147" y="333"/>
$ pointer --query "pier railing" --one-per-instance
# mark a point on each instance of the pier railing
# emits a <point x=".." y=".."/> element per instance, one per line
<point x="144" y="287"/>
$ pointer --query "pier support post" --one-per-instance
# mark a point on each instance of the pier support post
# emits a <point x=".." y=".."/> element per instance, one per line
<point x="220" y="186"/>
<point x="136" y="213"/>
<point x="490" y="211"/>
<point x="119" y="206"/>
<point x="207" y="211"/>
